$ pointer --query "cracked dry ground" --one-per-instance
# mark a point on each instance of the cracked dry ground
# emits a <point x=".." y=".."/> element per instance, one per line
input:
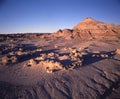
<point x="96" y="79"/>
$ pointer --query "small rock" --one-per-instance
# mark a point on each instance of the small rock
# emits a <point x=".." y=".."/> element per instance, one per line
<point x="117" y="51"/>
<point x="56" y="46"/>
<point x="4" y="60"/>
<point x="102" y="56"/>
<point x="19" y="53"/>
<point x="43" y="56"/>
<point x="74" y="51"/>
<point x="11" y="53"/>
<point x="93" y="55"/>
<point x="64" y="57"/>
<point x="31" y="62"/>
<point x="106" y="56"/>
<point x="39" y="50"/>
<point x="96" y="52"/>
<point x="20" y="49"/>
<point x="48" y="70"/>
<point x="13" y="59"/>
<point x="51" y="54"/>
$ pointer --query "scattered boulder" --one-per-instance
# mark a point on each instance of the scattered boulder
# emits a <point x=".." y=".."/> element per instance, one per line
<point x="104" y="56"/>
<point x="20" y="49"/>
<point x="64" y="49"/>
<point x="56" y="46"/>
<point x="52" y="66"/>
<point x="31" y="62"/>
<point x="64" y="57"/>
<point x="100" y="55"/>
<point x="75" y="54"/>
<point x="117" y="51"/>
<point x="96" y="52"/>
<point x="13" y="59"/>
<point x="4" y="60"/>
<point x="19" y="53"/>
<point x="93" y="55"/>
<point x="96" y="55"/>
<point x="76" y="58"/>
<point x="76" y="64"/>
<point x="51" y="54"/>
<point x="39" y="50"/>
<point x="39" y="59"/>
<point x="11" y="53"/>
<point x="43" y="56"/>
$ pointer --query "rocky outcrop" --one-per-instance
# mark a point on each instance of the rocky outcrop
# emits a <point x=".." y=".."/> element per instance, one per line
<point x="66" y="33"/>
<point x="90" y="29"/>
<point x="117" y="51"/>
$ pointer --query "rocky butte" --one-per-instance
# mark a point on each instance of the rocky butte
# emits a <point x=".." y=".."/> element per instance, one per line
<point x="91" y="29"/>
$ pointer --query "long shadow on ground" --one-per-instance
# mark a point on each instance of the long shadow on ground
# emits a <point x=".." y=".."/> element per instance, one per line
<point x="88" y="59"/>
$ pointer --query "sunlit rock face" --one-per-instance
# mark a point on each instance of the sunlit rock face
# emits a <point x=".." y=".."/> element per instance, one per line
<point x="91" y="29"/>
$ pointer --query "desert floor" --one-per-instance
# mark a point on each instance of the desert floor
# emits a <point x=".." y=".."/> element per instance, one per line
<point x="58" y="68"/>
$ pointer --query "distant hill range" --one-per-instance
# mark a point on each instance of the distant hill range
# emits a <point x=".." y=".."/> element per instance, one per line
<point x="91" y="29"/>
<point x="88" y="29"/>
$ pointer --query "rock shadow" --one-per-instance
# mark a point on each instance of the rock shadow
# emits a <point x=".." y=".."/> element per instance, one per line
<point x="34" y="55"/>
<point x="89" y="59"/>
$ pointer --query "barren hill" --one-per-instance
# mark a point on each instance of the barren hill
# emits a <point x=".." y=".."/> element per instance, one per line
<point x="91" y="29"/>
<point x="89" y="23"/>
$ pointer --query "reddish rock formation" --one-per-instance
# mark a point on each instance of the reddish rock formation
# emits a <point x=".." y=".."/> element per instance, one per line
<point x="66" y="33"/>
<point x="91" y="29"/>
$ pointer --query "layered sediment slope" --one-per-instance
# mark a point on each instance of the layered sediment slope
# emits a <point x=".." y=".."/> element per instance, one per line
<point x="91" y="29"/>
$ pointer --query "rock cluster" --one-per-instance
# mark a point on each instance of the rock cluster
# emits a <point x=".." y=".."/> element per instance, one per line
<point x="13" y="53"/>
<point x="99" y="55"/>
<point x="46" y="61"/>
<point x="8" y="60"/>
<point x="52" y="61"/>
<point x="72" y="58"/>
<point x="52" y="66"/>
<point x="77" y="57"/>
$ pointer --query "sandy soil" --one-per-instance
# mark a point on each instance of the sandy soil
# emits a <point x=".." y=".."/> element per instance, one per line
<point x="56" y="68"/>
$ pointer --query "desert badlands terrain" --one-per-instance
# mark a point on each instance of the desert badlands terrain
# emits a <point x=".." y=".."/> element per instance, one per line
<point x="78" y="63"/>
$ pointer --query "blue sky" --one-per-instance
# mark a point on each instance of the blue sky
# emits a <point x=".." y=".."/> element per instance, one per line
<point x="18" y="16"/>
